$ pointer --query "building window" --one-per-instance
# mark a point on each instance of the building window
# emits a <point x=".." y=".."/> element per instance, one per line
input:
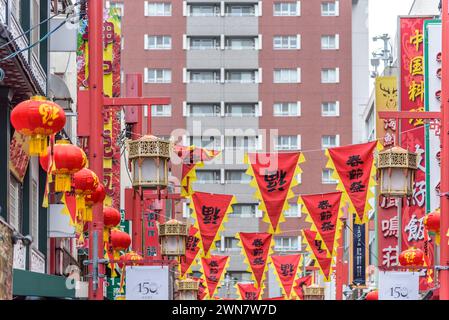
<point x="237" y="177"/>
<point x="241" y="143"/>
<point x="329" y="42"/>
<point x="34" y="211"/>
<point x="204" y="10"/>
<point x="157" y="75"/>
<point x="329" y="109"/>
<point x="212" y="143"/>
<point x="293" y="211"/>
<point x="285" y="9"/>
<point x="240" y="110"/>
<point x="286" y="76"/>
<point x="231" y="244"/>
<point x="326" y="177"/>
<point x="15" y="201"/>
<point x="240" y="76"/>
<point x="35" y="33"/>
<point x="159" y="9"/>
<point x="286" y="109"/>
<point x="329" y="141"/>
<point x="286" y="244"/>
<point x="158" y="43"/>
<point x="161" y="110"/>
<point x="208" y="176"/>
<point x="119" y="6"/>
<point x="245" y="210"/>
<point x="204" y="43"/>
<point x="330" y="75"/>
<point x="204" y="76"/>
<point x="204" y="110"/>
<point x="240" y="10"/>
<point x="287" y="143"/>
<point x="286" y="42"/>
<point x="240" y="43"/>
<point x="240" y="276"/>
<point x="329" y="8"/>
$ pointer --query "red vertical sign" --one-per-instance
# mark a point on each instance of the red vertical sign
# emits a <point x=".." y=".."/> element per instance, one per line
<point x="150" y="232"/>
<point x="413" y="135"/>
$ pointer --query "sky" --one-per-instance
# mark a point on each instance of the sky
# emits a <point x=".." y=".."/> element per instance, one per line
<point x="383" y="19"/>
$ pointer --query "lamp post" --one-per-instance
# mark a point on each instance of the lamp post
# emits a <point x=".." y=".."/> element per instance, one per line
<point x="188" y="289"/>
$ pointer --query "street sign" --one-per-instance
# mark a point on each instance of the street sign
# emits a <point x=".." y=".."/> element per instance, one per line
<point x="395" y="285"/>
<point x="147" y="283"/>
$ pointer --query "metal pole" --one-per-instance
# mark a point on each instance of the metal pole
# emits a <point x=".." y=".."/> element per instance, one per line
<point x="444" y="245"/>
<point x="95" y="37"/>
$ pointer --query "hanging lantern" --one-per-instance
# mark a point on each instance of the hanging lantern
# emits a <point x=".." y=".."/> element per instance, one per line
<point x="111" y="218"/>
<point x="129" y="256"/>
<point x="67" y="160"/>
<point x="172" y="236"/>
<point x="188" y="289"/>
<point x="412" y="257"/>
<point x="432" y="222"/>
<point x="397" y="168"/>
<point x="38" y="118"/>
<point x="97" y="196"/>
<point x="86" y="183"/>
<point x="120" y="240"/>
<point x="372" y="295"/>
<point x="149" y="156"/>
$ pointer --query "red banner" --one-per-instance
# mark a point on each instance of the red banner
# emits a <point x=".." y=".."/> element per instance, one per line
<point x="286" y="269"/>
<point x="192" y="249"/>
<point x="353" y="166"/>
<point x="256" y="248"/>
<point x="324" y="212"/>
<point x="213" y="271"/>
<point x="299" y="289"/>
<point x="413" y="136"/>
<point x="210" y="211"/>
<point x="191" y="158"/>
<point x="247" y="291"/>
<point x="319" y="254"/>
<point x="274" y="176"/>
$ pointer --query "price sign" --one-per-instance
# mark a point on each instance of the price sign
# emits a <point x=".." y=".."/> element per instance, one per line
<point x="147" y="283"/>
<point x="398" y="285"/>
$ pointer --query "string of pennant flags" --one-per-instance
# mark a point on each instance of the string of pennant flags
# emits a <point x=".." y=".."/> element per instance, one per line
<point x="273" y="181"/>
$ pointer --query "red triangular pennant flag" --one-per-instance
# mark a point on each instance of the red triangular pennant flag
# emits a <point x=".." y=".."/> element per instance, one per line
<point x="210" y="210"/>
<point x="324" y="210"/>
<point x="192" y="249"/>
<point x="319" y="254"/>
<point x="247" y="291"/>
<point x="274" y="174"/>
<point x="70" y="202"/>
<point x="256" y="247"/>
<point x="353" y="165"/>
<point x="286" y="268"/>
<point x="213" y="271"/>
<point x="201" y="288"/>
<point x="299" y="290"/>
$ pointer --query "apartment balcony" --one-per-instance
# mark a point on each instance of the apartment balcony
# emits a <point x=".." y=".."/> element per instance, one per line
<point x="227" y="58"/>
<point x="228" y="25"/>
<point x="23" y="72"/>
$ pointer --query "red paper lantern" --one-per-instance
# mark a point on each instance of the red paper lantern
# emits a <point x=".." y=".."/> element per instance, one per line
<point x="130" y="256"/>
<point x="98" y="196"/>
<point x="67" y="160"/>
<point x="111" y="217"/>
<point x="432" y="221"/>
<point x="412" y="257"/>
<point x="38" y="118"/>
<point x="372" y="295"/>
<point x="86" y="183"/>
<point x="120" y="240"/>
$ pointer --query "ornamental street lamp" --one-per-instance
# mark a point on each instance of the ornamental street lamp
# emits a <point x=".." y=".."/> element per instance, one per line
<point x="149" y="156"/>
<point x="397" y="168"/>
<point x="172" y="236"/>
<point x="314" y="292"/>
<point x="188" y="289"/>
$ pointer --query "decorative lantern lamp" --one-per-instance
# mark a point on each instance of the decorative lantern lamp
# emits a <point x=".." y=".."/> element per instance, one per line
<point x="397" y="168"/>
<point x="38" y="118"/>
<point x="188" y="289"/>
<point x="149" y="157"/>
<point x="412" y="257"/>
<point x="111" y="218"/>
<point x="172" y="236"/>
<point x="314" y="292"/>
<point x="130" y="256"/>
<point x="86" y="183"/>
<point x="68" y="159"/>
<point x="432" y="222"/>
<point x="120" y="240"/>
<point x="98" y="196"/>
<point x="372" y="295"/>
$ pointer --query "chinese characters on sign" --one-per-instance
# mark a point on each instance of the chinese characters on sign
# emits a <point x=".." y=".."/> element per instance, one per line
<point x="359" y="249"/>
